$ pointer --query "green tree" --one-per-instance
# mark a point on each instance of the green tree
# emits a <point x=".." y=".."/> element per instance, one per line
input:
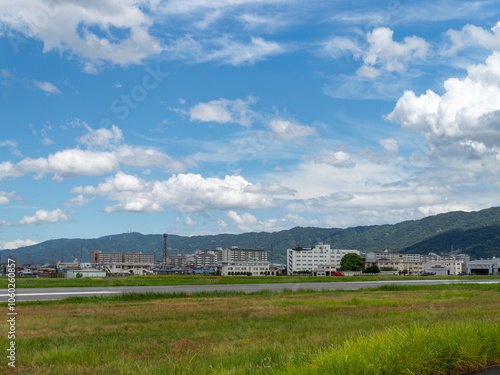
<point x="351" y="262"/>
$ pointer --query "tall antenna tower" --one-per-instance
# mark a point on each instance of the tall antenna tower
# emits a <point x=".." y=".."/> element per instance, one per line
<point x="164" y="262"/>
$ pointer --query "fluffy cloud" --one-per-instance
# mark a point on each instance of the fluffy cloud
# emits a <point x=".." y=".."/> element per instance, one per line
<point x="11" y="245"/>
<point x="223" y="111"/>
<point x="339" y="159"/>
<point x="115" y="31"/>
<point x="392" y="55"/>
<point x="467" y="111"/>
<point x="43" y="216"/>
<point x="5" y="197"/>
<point x="185" y="193"/>
<point x="289" y="129"/>
<point x="473" y="36"/>
<point x="74" y="162"/>
<point x="102" y="137"/>
<point x="381" y="53"/>
<point x="47" y="87"/>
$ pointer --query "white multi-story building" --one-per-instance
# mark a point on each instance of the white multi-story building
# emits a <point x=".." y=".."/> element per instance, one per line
<point x="308" y="259"/>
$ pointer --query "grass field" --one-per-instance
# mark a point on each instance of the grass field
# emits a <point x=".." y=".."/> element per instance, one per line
<point x="201" y="280"/>
<point x="446" y="329"/>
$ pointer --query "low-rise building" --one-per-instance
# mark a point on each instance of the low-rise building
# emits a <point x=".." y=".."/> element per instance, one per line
<point x="75" y="273"/>
<point x="417" y="264"/>
<point x="484" y="267"/>
<point x="68" y="266"/>
<point x="403" y="267"/>
<point x="252" y="267"/>
<point x="325" y="270"/>
<point x="445" y="268"/>
<point x="126" y="269"/>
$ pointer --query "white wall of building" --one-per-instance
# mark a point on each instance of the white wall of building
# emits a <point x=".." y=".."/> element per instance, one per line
<point x="256" y="268"/>
<point x="309" y="259"/>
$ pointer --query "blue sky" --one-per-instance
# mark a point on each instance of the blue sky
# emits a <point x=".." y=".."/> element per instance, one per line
<point x="201" y="117"/>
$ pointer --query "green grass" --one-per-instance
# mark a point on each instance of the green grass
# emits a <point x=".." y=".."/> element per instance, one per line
<point x="448" y="348"/>
<point x="205" y="280"/>
<point x="417" y="329"/>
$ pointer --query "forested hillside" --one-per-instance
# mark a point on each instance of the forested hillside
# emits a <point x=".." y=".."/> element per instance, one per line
<point x="476" y="233"/>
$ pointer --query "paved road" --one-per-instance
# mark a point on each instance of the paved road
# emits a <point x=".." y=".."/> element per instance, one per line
<point x="495" y="370"/>
<point x="34" y="294"/>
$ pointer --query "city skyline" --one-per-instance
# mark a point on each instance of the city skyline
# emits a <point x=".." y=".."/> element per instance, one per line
<point x="205" y="117"/>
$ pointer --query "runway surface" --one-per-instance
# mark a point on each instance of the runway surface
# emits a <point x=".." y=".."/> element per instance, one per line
<point x="41" y="294"/>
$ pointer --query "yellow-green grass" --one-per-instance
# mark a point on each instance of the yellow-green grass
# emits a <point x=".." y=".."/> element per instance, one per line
<point x="299" y="332"/>
<point x="204" y="280"/>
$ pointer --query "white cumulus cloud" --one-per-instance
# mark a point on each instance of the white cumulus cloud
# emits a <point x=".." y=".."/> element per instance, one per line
<point x="185" y="193"/>
<point x="43" y="216"/>
<point x="95" y="31"/>
<point x="289" y="129"/>
<point x="223" y="111"/>
<point x="468" y="110"/>
<point x="102" y="137"/>
<point x="380" y="53"/>
<point x="474" y="36"/>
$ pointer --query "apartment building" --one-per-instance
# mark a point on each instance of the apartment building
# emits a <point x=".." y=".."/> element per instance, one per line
<point x="308" y="259"/>
<point x="98" y="257"/>
<point x="235" y="254"/>
<point x="138" y="257"/>
<point x="207" y="258"/>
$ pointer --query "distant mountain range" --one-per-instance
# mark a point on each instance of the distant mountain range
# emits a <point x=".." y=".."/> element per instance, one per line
<point x="474" y="233"/>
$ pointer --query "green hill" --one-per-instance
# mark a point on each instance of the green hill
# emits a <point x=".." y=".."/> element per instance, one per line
<point x="475" y="232"/>
<point x="478" y="242"/>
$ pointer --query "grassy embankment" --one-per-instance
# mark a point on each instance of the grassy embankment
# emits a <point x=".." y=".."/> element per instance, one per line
<point x="446" y="329"/>
<point x="203" y="280"/>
